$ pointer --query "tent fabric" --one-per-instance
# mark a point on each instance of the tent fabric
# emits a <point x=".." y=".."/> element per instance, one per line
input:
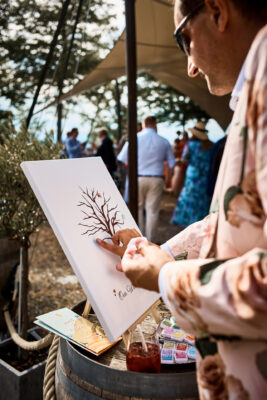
<point x="157" y="55"/>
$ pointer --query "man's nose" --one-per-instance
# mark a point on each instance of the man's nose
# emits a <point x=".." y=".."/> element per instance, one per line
<point x="192" y="70"/>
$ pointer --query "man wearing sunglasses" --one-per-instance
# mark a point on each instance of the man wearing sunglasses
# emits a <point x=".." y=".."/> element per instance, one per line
<point x="219" y="293"/>
<point x="217" y="46"/>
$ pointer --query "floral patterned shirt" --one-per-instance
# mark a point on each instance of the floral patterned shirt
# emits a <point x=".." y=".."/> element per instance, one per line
<point x="219" y="293"/>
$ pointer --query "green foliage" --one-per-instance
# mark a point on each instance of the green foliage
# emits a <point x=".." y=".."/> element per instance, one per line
<point x="27" y="28"/>
<point x="155" y="98"/>
<point x="20" y="213"/>
<point x="102" y="110"/>
<point x="166" y="103"/>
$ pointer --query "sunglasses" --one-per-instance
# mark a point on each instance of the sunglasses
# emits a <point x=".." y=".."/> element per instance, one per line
<point x="183" y="42"/>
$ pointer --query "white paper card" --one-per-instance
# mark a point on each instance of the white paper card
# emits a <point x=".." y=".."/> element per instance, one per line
<point x="82" y="203"/>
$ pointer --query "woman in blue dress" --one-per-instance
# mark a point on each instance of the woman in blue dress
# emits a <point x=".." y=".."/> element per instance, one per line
<point x="193" y="203"/>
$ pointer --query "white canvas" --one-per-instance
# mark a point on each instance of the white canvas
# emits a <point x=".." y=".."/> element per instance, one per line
<point x="69" y="192"/>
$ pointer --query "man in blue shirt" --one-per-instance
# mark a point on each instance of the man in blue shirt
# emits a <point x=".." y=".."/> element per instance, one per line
<point x="73" y="146"/>
<point x="153" y="150"/>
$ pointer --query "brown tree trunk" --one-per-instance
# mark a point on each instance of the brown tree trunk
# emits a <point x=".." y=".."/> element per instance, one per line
<point x="24" y="265"/>
<point x="59" y="121"/>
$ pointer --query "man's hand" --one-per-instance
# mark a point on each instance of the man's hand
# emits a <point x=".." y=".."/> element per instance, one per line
<point x="120" y="241"/>
<point x="142" y="266"/>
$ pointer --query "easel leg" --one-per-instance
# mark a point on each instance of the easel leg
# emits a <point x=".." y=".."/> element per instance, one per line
<point x="126" y="339"/>
<point x="87" y="309"/>
<point x="156" y="315"/>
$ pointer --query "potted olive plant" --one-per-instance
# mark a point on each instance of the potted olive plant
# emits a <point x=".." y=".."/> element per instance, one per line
<point x="20" y="213"/>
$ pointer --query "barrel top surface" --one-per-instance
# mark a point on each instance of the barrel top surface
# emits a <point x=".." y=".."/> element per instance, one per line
<point x="109" y="372"/>
<point x="116" y="356"/>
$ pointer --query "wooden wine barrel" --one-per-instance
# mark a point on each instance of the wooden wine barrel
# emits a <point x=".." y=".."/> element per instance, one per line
<point x="82" y="376"/>
<point x="9" y="255"/>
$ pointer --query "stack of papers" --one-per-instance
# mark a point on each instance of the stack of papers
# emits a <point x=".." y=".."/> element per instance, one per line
<point x="71" y="326"/>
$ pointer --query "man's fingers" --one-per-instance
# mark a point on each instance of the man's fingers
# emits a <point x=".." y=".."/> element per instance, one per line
<point x="106" y="245"/>
<point x="143" y="247"/>
<point x="124" y="236"/>
<point x="115" y="240"/>
<point x="110" y="247"/>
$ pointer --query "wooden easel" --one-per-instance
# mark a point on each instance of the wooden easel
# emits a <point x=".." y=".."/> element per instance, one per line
<point x="126" y="335"/>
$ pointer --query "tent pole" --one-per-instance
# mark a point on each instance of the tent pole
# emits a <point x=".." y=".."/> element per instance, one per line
<point x="118" y="108"/>
<point x="132" y="113"/>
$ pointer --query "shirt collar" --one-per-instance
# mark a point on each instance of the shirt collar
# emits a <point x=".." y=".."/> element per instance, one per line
<point x="238" y="87"/>
<point x="148" y="130"/>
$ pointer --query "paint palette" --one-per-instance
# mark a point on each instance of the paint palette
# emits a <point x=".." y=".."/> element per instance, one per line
<point x="177" y="346"/>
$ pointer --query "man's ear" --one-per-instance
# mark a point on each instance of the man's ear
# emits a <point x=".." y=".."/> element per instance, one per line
<point x="219" y="11"/>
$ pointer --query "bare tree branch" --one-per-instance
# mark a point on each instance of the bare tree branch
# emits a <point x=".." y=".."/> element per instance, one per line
<point x="95" y="208"/>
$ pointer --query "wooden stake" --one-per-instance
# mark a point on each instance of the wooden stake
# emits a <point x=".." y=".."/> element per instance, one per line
<point x="153" y="310"/>
<point x="87" y="309"/>
<point x="126" y="339"/>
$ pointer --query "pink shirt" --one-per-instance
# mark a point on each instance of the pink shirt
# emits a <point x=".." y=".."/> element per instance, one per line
<point x="220" y="291"/>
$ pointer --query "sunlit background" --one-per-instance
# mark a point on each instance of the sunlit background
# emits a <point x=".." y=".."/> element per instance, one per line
<point x="47" y="119"/>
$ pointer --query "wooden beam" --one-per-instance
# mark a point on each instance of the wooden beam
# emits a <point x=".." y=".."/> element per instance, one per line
<point x="118" y="108"/>
<point x="132" y="113"/>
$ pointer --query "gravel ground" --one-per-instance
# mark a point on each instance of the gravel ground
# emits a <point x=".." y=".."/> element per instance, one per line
<point x="48" y="263"/>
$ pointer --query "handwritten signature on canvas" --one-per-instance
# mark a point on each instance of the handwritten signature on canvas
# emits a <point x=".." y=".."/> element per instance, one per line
<point x="122" y="294"/>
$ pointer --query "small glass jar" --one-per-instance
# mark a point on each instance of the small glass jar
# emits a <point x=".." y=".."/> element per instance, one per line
<point x="143" y="358"/>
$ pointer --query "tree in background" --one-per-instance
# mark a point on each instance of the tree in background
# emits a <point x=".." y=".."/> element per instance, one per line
<point x="101" y="106"/>
<point x="27" y="28"/>
<point x="167" y="104"/>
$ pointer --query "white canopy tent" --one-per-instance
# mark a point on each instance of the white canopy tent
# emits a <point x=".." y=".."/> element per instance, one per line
<point x="157" y="55"/>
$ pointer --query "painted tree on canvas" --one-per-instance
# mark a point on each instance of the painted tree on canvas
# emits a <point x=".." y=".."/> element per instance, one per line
<point x="98" y="213"/>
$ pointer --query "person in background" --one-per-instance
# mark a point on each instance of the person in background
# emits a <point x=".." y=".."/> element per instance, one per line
<point x="176" y="149"/>
<point x="193" y="201"/>
<point x="93" y="149"/>
<point x="219" y="292"/>
<point x="215" y="161"/>
<point x="153" y="150"/>
<point x="180" y="144"/>
<point x="64" y="153"/>
<point x="124" y="138"/>
<point x="85" y="150"/>
<point x="106" y="151"/>
<point x="124" y="178"/>
<point x="177" y="180"/>
<point x="73" y="146"/>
